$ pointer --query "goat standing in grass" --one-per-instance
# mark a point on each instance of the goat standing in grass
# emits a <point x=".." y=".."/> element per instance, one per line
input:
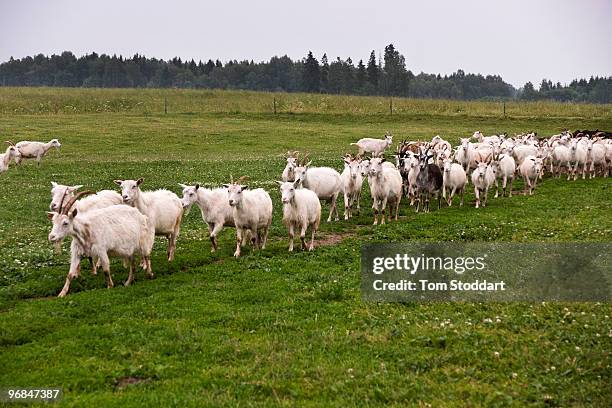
<point x="374" y="146"/>
<point x="252" y="212"/>
<point x="101" y="199"/>
<point x="429" y="181"/>
<point x="324" y="181"/>
<point x="292" y="163"/>
<point x="118" y="230"/>
<point x="504" y="168"/>
<point x="483" y="178"/>
<point x="301" y="210"/>
<point x="35" y="150"/>
<point x="163" y="208"/>
<point x="385" y="187"/>
<point x="530" y="169"/>
<point x="216" y="211"/>
<point x="352" y="182"/>
<point x="454" y="180"/>
<point x="5" y="158"/>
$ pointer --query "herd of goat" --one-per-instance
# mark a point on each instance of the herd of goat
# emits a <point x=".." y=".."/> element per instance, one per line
<point x="125" y="224"/>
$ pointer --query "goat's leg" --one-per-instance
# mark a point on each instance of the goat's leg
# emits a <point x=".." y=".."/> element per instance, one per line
<point x="239" y="237"/>
<point x="397" y="206"/>
<point x="313" y="230"/>
<point x="73" y="272"/>
<point x="266" y="231"/>
<point x="384" y="206"/>
<point x="94" y="267"/>
<point x="496" y="188"/>
<point x="291" y="234"/>
<point x="130" y="279"/>
<point x="337" y="217"/>
<point x="477" y="194"/>
<point x="347" y="206"/>
<point x="217" y="228"/>
<point x="106" y="268"/>
<point x="303" y="228"/>
<point x="375" y="208"/>
<point x="147" y="261"/>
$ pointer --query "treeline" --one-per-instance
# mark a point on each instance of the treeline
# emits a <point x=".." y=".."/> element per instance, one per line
<point x="386" y="76"/>
<point x="595" y="90"/>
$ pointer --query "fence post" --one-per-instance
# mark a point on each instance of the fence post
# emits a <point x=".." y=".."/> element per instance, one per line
<point x="275" y="105"/>
<point x="165" y="104"/>
<point x="504" y="109"/>
<point x="390" y="106"/>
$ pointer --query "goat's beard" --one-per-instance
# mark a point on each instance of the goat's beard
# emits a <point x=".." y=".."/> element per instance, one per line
<point x="57" y="247"/>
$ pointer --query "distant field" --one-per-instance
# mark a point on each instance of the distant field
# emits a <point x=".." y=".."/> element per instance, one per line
<point x="151" y="101"/>
<point x="274" y="328"/>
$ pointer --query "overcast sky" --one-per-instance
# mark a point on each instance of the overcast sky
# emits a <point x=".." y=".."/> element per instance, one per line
<point x="521" y="40"/>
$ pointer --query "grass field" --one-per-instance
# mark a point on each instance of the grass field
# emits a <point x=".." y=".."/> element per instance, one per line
<point x="273" y="328"/>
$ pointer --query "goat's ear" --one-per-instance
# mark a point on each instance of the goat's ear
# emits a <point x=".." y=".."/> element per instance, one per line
<point x="73" y="213"/>
<point x="308" y="164"/>
<point x="296" y="184"/>
<point x="50" y="215"/>
<point x="74" y="188"/>
<point x="197" y="186"/>
<point x="118" y="182"/>
<point x="182" y="185"/>
<point x="245" y="187"/>
<point x="53" y="184"/>
<point x="383" y="160"/>
<point x="280" y="183"/>
<point x="139" y="181"/>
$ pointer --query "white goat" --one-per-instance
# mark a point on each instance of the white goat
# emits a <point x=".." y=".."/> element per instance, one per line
<point x="411" y="167"/>
<point x="596" y="157"/>
<point x="439" y="145"/>
<point x="385" y="186"/>
<point x="102" y="199"/>
<point x="374" y="146"/>
<point x="523" y="151"/>
<point x="483" y="178"/>
<point x="352" y="182"/>
<point x="504" y="168"/>
<point x="485" y="139"/>
<point x="163" y="208"/>
<point x="530" y="169"/>
<point x="118" y="230"/>
<point x="301" y="209"/>
<point x="579" y="156"/>
<point x="35" y="150"/>
<point x="292" y="163"/>
<point x="561" y="156"/>
<point x="215" y="209"/>
<point x="252" y="212"/>
<point x="5" y="158"/>
<point x="324" y="181"/>
<point x="454" y="180"/>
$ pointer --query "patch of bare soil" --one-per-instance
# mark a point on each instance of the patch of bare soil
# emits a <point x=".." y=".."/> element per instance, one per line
<point x="332" y="239"/>
<point x="123" y="382"/>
